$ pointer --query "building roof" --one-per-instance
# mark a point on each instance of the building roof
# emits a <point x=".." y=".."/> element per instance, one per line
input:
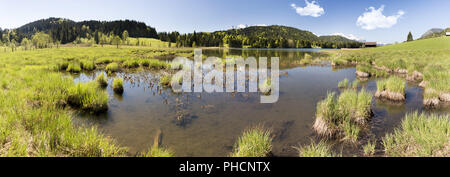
<point x="370" y="43"/>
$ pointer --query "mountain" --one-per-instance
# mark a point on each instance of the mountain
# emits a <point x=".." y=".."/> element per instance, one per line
<point x="335" y="38"/>
<point x="432" y="33"/>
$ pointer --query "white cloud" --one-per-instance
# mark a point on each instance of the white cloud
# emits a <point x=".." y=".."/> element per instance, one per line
<point x="349" y="36"/>
<point x="241" y="26"/>
<point x="312" y="9"/>
<point x="374" y="19"/>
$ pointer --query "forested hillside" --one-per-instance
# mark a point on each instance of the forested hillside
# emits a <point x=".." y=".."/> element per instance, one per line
<point x="66" y="31"/>
<point x="259" y="37"/>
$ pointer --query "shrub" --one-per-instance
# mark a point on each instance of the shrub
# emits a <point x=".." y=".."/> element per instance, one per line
<point x="255" y="142"/>
<point x="102" y="81"/>
<point x="112" y="67"/>
<point x="118" y="85"/>
<point x="88" y="97"/>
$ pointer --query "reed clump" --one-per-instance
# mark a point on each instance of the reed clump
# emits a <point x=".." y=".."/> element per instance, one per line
<point x="420" y="135"/>
<point x="392" y="89"/>
<point x="255" y="142"/>
<point x="343" y="117"/>
<point x="118" y="85"/>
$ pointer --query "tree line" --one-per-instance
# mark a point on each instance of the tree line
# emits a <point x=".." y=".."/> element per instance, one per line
<point x="258" y="37"/>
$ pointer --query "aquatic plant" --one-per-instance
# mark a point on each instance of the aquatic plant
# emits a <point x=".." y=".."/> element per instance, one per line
<point x="165" y="80"/>
<point x="266" y="87"/>
<point x="392" y="88"/>
<point x="156" y="152"/>
<point x="369" y="148"/>
<point x="73" y="68"/>
<point x="321" y="149"/>
<point x="157" y="64"/>
<point x="355" y="84"/>
<point x="131" y="64"/>
<point x="102" y="81"/>
<point x="255" y="142"/>
<point x="118" y="85"/>
<point x="420" y="135"/>
<point x="88" y="97"/>
<point x="112" y="67"/>
<point x="87" y="65"/>
<point x="344" y="116"/>
<point x="343" y="83"/>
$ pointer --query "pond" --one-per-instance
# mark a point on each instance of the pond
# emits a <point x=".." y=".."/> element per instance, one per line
<point x="208" y="124"/>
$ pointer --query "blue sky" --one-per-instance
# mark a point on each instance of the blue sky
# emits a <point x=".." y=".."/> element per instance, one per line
<point x="323" y="17"/>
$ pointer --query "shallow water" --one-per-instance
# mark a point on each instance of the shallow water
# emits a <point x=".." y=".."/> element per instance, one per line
<point x="203" y="124"/>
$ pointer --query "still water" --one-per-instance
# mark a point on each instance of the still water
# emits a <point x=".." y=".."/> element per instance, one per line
<point x="208" y="124"/>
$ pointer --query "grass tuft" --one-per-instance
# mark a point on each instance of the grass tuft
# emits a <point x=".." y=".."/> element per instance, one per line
<point x="255" y="142"/>
<point x="112" y="67"/>
<point x="88" y="97"/>
<point x="102" y="80"/>
<point x="157" y="152"/>
<point x="420" y="135"/>
<point x="321" y="149"/>
<point x="118" y="85"/>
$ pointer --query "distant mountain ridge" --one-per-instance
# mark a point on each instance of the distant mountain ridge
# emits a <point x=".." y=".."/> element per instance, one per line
<point x="434" y="32"/>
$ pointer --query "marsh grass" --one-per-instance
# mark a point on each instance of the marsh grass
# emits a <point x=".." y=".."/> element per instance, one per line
<point x="165" y="80"/>
<point x="266" y="87"/>
<point x="343" y="83"/>
<point x="88" y="97"/>
<point x="118" y="85"/>
<point x="156" y="152"/>
<point x="344" y="116"/>
<point x="35" y="119"/>
<point x="369" y="148"/>
<point x="420" y="135"/>
<point x="355" y="84"/>
<point x="131" y="64"/>
<point x="73" y="67"/>
<point x="102" y="80"/>
<point x="321" y="149"/>
<point x="255" y="142"/>
<point x="112" y="67"/>
<point x="392" y="88"/>
<point x="87" y="65"/>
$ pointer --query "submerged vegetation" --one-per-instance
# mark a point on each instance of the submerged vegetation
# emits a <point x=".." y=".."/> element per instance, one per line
<point x="255" y="142"/>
